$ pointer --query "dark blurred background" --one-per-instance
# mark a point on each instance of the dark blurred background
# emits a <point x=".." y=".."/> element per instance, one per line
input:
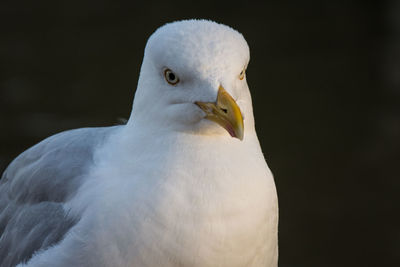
<point x="325" y="79"/>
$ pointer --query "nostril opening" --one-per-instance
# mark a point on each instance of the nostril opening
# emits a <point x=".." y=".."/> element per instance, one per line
<point x="224" y="110"/>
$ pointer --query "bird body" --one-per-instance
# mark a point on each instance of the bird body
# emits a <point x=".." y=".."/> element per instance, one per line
<point x="169" y="188"/>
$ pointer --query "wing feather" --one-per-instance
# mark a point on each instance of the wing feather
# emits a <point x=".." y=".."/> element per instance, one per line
<point x="34" y="188"/>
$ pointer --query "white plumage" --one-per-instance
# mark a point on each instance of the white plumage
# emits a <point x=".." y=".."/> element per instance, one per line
<point x="169" y="188"/>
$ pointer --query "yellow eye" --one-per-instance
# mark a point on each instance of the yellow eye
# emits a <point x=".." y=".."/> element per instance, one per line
<point x="242" y="74"/>
<point x="171" y="77"/>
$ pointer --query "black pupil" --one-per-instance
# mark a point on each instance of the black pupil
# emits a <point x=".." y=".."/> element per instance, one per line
<point x="171" y="76"/>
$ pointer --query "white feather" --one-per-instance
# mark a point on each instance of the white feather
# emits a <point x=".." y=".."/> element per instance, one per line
<point x="171" y="188"/>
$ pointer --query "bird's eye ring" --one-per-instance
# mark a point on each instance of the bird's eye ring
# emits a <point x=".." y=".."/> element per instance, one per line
<point x="171" y="77"/>
<point x="241" y="75"/>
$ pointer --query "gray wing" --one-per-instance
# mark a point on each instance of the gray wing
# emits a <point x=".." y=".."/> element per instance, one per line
<point x="34" y="187"/>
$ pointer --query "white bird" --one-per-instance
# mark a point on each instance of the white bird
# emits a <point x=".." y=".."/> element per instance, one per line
<point x="169" y="188"/>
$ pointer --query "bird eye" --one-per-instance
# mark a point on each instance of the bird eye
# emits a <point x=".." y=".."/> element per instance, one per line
<point x="171" y="77"/>
<point x="242" y="73"/>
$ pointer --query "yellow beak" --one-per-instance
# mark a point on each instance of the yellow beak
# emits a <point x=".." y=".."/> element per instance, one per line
<point x="225" y="112"/>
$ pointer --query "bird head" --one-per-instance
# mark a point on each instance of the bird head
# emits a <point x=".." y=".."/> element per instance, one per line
<point x="193" y="79"/>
